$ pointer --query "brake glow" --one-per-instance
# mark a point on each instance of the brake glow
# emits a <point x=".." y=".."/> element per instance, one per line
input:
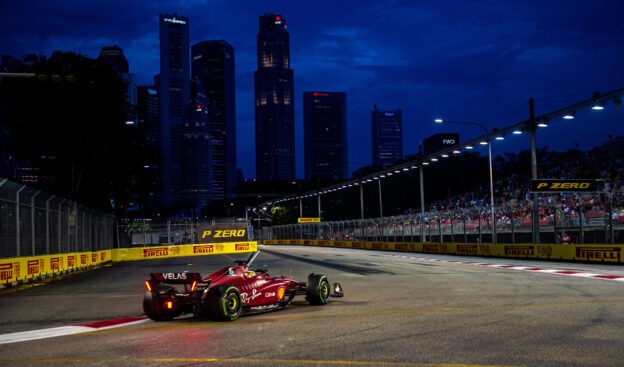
<point x="193" y="286"/>
<point x="147" y="284"/>
<point x="169" y="304"/>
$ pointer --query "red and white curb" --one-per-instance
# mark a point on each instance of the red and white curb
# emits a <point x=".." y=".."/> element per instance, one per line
<point x="580" y="274"/>
<point x="69" y="330"/>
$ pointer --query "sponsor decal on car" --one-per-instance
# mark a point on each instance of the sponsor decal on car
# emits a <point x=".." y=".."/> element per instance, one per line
<point x="246" y="297"/>
<point x="174" y="276"/>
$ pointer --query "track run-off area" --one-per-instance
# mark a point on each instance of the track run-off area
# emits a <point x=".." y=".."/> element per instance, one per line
<point x="399" y="309"/>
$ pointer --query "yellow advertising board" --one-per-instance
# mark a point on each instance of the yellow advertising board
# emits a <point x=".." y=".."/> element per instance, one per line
<point x="165" y="251"/>
<point x="20" y="269"/>
<point x="575" y="252"/>
<point x="309" y="220"/>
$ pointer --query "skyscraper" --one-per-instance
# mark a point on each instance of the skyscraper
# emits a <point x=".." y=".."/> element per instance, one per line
<point x="274" y="102"/>
<point x="325" y="135"/>
<point x="174" y="82"/>
<point x="196" y="164"/>
<point x="213" y="67"/>
<point x="114" y="58"/>
<point x="387" y="134"/>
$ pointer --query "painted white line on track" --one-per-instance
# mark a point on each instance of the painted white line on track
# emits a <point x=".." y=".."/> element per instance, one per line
<point x="24" y="336"/>
<point x="580" y="274"/>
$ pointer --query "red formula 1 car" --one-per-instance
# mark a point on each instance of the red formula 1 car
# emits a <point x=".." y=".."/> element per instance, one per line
<point x="230" y="292"/>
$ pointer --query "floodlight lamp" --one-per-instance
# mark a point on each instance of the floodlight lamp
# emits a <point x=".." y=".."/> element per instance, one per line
<point x="569" y="116"/>
<point x="483" y="142"/>
<point x="598" y="107"/>
<point x="438" y="121"/>
<point x="469" y="147"/>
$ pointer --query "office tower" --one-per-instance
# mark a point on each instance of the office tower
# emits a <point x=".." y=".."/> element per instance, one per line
<point x="114" y="58"/>
<point x="325" y="135"/>
<point x="148" y="121"/>
<point x="196" y="164"/>
<point x="274" y="99"/>
<point x="174" y="82"/>
<point x="387" y="134"/>
<point x="213" y="67"/>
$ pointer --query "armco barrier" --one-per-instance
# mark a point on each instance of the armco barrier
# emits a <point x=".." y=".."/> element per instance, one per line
<point x="576" y="252"/>
<point x="14" y="271"/>
<point x="23" y="269"/>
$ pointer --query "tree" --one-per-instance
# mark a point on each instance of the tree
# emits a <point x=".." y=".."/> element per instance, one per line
<point x="69" y="123"/>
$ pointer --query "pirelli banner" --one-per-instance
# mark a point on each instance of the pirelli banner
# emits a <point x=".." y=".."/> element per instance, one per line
<point x="165" y="251"/>
<point x="567" y="185"/>
<point x="214" y="233"/>
<point x="23" y="269"/>
<point x="577" y="252"/>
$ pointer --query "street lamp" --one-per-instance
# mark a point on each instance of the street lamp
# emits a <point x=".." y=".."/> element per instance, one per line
<point x="484" y="142"/>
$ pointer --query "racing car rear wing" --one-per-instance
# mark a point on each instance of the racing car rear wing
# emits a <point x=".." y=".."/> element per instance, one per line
<point x="176" y="278"/>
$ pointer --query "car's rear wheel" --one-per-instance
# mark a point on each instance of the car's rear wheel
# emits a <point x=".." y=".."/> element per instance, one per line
<point x="154" y="305"/>
<point x="317" y="289"/>
<point x="224" y="303"/>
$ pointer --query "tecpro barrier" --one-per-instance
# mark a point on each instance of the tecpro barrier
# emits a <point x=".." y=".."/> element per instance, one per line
<point x="572" y="252"/>
<point x="18" y="270"/>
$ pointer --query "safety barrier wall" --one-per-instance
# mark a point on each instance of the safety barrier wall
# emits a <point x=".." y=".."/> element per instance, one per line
<point x="14" y="271"/>
<point x="159" y="252"/>
<point x="573" y="252"/>
<point x="23" y="269"/>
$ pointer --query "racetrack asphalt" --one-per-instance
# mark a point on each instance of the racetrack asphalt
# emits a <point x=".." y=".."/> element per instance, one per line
<point x="398" y="310"/>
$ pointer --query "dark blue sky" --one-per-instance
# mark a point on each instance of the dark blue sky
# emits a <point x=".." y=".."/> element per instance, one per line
<point x="462" y="60"/>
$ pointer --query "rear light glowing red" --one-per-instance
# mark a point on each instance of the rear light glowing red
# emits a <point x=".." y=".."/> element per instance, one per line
<point x="148" y="285"/>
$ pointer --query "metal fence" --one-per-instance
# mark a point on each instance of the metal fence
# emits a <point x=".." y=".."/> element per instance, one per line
<point x="35" y="223"/>
<point x="473" y="224"/>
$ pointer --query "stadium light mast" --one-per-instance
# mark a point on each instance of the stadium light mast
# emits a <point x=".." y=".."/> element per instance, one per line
<point x="487" y="142"/>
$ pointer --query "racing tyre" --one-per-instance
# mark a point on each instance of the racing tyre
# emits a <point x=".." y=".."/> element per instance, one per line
<point x="224" y="303"/>
<point x="317" y="289"/>
<point x="154" y="309"/>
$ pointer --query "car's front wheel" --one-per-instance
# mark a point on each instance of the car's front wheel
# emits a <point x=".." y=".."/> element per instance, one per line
<point x="317" y="289"/>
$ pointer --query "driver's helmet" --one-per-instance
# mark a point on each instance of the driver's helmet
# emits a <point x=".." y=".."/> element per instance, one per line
<point x="249" y="274"/>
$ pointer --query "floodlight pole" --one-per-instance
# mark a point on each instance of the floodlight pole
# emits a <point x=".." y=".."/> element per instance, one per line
<point x="534" y="203"/>
<point x="489" y="143"/>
